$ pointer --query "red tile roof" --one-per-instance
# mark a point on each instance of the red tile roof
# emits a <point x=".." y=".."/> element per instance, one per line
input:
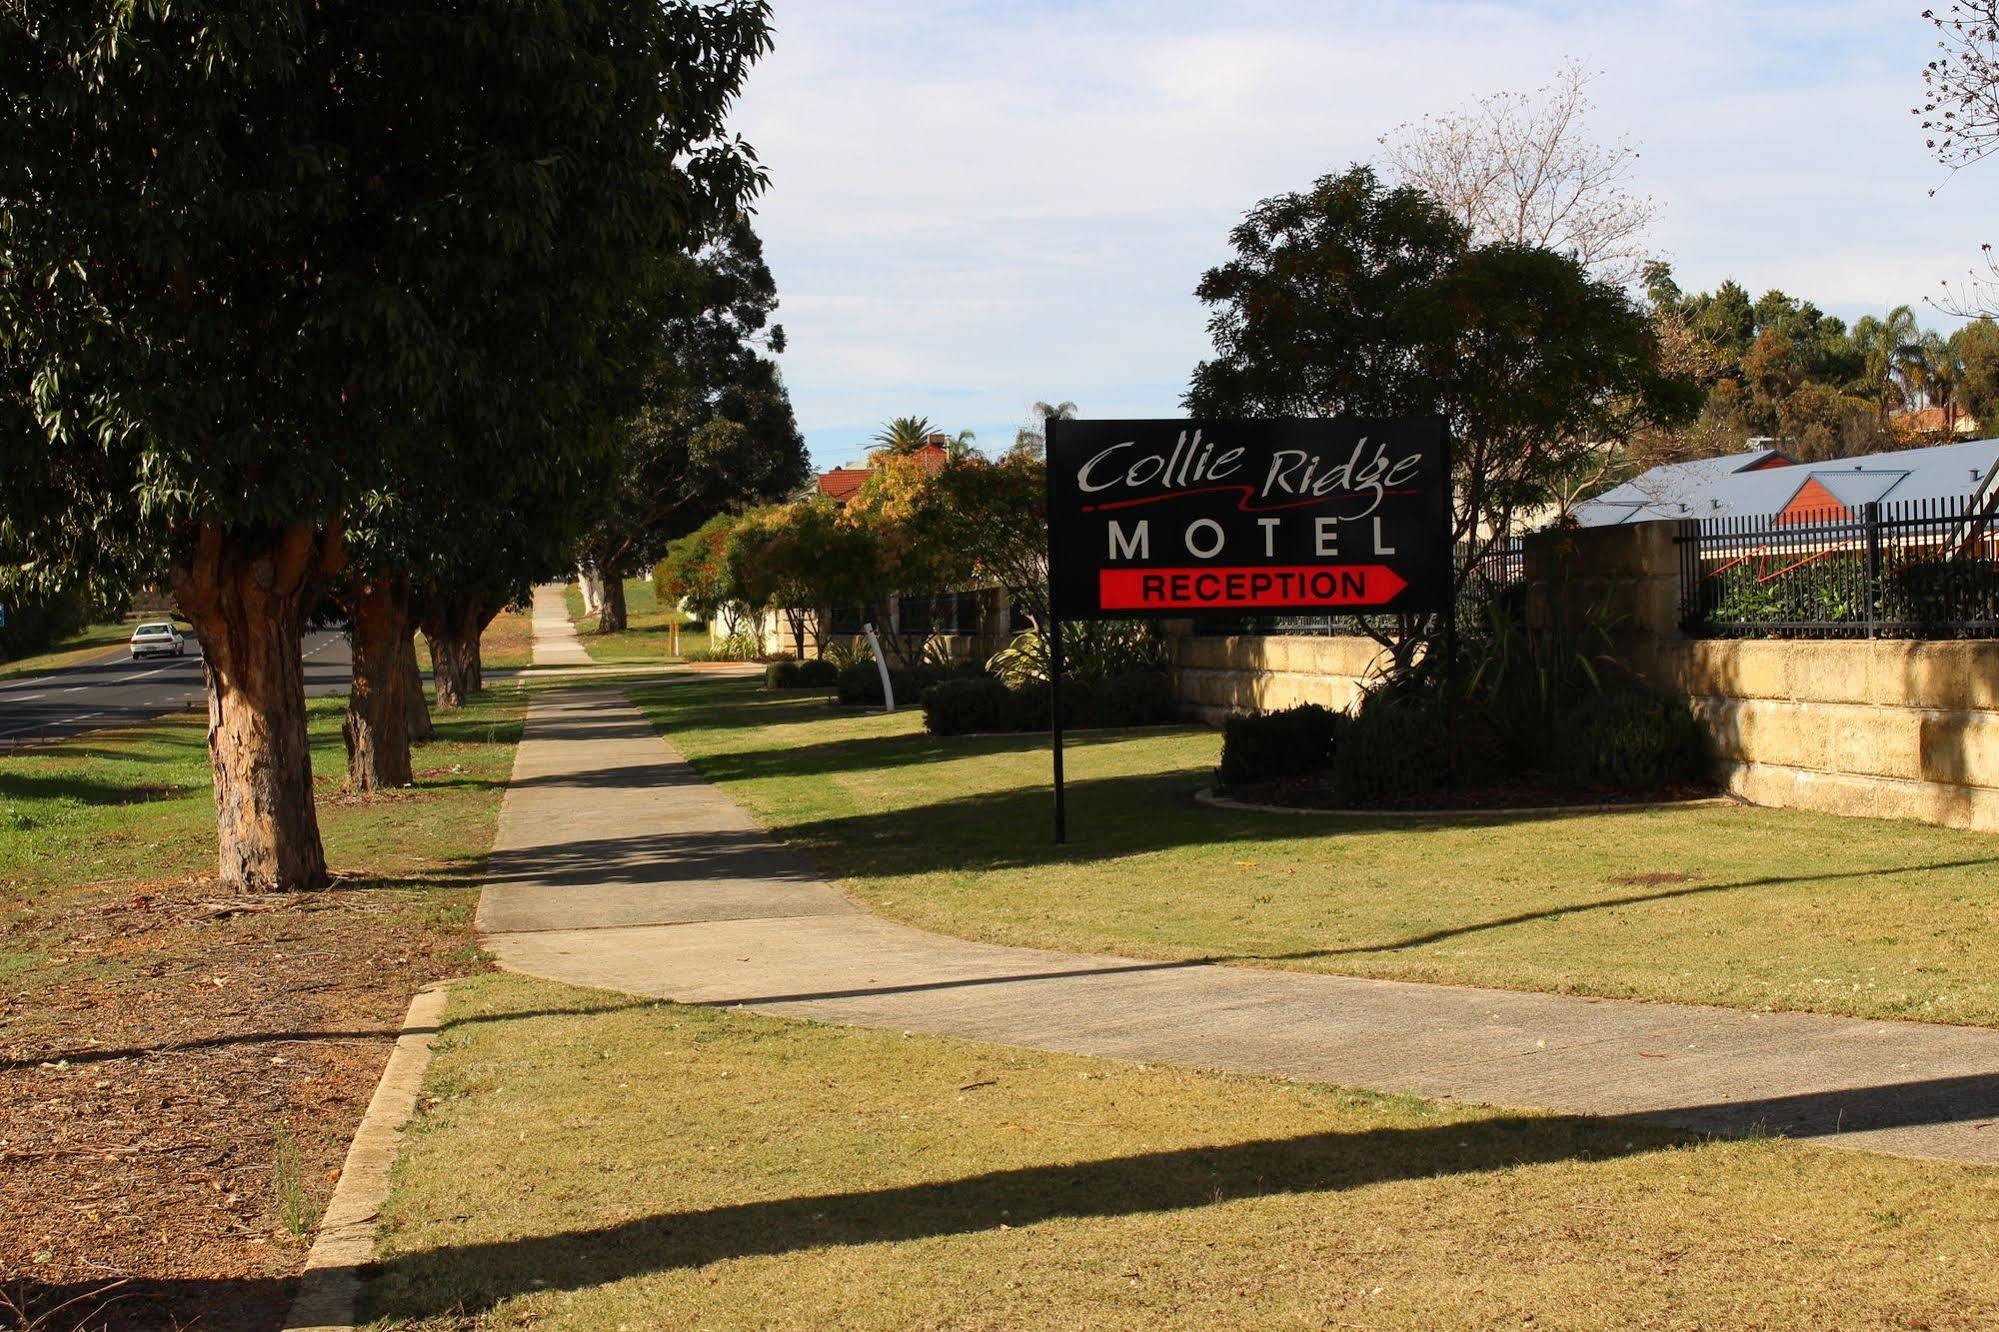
<point x="842" y="482"/>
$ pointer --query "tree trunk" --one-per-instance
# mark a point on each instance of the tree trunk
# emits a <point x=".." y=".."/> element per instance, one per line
<point x="452" y="630"/>
<point x="246" y="593"/>
<point x="475" y="646"/>
<point x="611" y="609"/>
<point x="416" y="712"/>
<point x="377" y="725"/>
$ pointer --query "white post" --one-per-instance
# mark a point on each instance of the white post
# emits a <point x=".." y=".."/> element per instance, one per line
<point x="881" y="664"/>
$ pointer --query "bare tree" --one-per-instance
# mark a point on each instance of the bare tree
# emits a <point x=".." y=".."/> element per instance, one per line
<point x="1524" y="167"/>
<point x="1960" y="115"/>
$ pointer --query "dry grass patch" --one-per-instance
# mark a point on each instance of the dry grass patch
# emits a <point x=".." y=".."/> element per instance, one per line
<point x="589" y="1161"/>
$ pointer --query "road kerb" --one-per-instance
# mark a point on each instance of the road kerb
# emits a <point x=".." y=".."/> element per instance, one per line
<point x="329" y="1289"/>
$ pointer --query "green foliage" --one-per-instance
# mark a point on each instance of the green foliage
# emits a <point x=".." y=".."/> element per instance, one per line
<point x="981" y="703"/>
<point x="37" y="617"/>
<point x="1627" y="738"/>
<point x="696" y="569"/>
<point x="711" y="426"/>
<point x="1133" y="698"/>
<point x="1092" y="651"/>
<point x="1262" y="746"/>
<point x="812" y="673"/>
<point x="1517" y="677"/>
<point x="385" y="247"/>
<point x="994" y="517"/>
<point x="1390" y="751"/>
<point x="1357" y="299"/>
<point x="967" y="706"/>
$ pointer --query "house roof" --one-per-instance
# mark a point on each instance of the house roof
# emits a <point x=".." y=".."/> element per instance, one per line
<point x="842" y="482"/>
<point x="1686" y="490"/>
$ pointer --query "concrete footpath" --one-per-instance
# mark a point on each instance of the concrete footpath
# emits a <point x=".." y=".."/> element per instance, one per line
<point x="555" y="640"/>
<point x="617" y="866"/>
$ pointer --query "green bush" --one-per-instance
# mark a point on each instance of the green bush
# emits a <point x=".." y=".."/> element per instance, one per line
<point x="964" y="705"/>
<point x="862" y="683"/>
<point x="784" y="673"/>
<point x="817" y="673"/>
<point x="1260" y="746"/>
<point x="36" y="621"/>
<point x="1390" y="750"/>
<point x="1627" y="739"/>
<point x="1134" y="698"/>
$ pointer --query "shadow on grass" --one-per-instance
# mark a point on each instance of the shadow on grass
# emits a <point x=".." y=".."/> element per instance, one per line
<point x="468" y="1278"/>
<point x="69" y="788"/>
<point x="97" y="1055"/>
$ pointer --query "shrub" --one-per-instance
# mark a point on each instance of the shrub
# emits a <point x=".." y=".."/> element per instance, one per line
<point x="784" y="673"/>
<point x="862" y="683"/>
<point x="859" y="683"/>
<point x="817" y="673"/>
<point x="964" y="705"/>
<point x="1390" y="750"/>
<point x="1260" y="746"/>
<point x="1627" y="739"/>
<point x="1134" y="698"/>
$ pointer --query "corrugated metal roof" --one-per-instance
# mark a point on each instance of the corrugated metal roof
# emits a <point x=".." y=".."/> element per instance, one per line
<point x="1689" y="490"/>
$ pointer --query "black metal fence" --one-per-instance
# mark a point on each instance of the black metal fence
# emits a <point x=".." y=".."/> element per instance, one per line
<point x="1915" y="569"/>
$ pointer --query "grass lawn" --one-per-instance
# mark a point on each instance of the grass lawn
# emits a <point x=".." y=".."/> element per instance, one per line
<point x="86" y="644"/>
<point x="587" y="1161"/>
<point x="1743" y="907"/>
<point x="180" y="1070"/>
<point x="648" y="635"/>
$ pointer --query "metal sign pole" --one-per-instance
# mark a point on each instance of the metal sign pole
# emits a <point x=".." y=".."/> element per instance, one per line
<point x="1054" y="645"/>
<point x="1055" y="724"/>
<point x="1450" y="673"/>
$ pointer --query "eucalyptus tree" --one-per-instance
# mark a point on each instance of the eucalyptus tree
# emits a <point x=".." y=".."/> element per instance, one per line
<point x="260" y="259"/>
<point x="710" y="426"/>
<point x="1355" y="299"/>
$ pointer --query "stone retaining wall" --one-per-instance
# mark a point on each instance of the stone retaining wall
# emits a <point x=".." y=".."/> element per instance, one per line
<point x="1886" y="729"/>
<point x="1214" y="677"/>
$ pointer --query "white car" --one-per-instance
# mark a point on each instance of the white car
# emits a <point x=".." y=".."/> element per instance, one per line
<point x="158" y="638"/>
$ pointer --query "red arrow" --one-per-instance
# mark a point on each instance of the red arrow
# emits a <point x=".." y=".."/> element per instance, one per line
<point x="1262" y="587"/>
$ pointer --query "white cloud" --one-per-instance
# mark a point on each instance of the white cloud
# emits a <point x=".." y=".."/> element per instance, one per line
<point x="979" y="204"/>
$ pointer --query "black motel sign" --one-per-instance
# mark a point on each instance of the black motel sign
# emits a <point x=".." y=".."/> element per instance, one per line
<point x="1168" y="518"/>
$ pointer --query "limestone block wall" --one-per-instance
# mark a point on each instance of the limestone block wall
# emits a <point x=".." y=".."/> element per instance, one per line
<point x="1214" y="677"/>
<point x="1887" y="729"/>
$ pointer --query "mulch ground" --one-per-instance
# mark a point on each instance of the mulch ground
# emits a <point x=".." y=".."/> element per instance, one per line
<point x="178" y="1085"/>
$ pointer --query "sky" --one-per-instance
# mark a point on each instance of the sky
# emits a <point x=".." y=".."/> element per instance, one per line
<point x="975" y="205"/>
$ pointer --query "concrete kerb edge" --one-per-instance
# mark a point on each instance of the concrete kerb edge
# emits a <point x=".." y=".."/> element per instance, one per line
<point x="1207" y="795"/>
<point x="329" y="1288"/>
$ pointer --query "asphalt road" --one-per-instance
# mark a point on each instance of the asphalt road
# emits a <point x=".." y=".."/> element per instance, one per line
<point x="116" y="691"/>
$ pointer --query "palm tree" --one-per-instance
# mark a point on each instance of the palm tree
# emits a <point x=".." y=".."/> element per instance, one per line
<point x="1888" y="347"/>
<point x="1936" y="370"/>
<point x="904" y="434"/>
<point x="960" y="445"/>
<point x="1031" y="440"/>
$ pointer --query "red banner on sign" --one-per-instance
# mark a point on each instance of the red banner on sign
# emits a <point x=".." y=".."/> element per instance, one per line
<point x="1228" y="589"/>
